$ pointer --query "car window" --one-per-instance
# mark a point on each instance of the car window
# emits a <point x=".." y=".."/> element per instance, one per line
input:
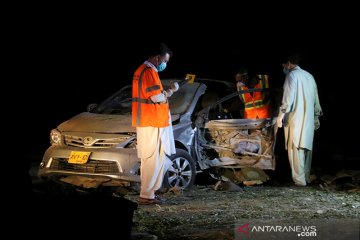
<point x="231" y="107"/>
<point x="215" y="90"/>
<point x="118" y="103"/>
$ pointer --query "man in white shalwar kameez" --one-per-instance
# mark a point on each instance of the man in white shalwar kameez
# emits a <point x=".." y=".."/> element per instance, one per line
<point x="300" y="111"/>
<point x="152" y="119"/>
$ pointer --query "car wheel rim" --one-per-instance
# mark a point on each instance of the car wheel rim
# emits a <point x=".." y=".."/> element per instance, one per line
<point x="179" y="173"/>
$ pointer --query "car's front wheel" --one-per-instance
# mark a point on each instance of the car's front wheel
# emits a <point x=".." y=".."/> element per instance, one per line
<point x="182" y="171"/>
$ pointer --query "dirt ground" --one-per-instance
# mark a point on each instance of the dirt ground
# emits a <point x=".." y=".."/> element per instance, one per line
<point x="203" y="213"/>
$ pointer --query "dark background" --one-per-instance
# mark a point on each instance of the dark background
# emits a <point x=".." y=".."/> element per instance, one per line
<point x="72" y="58"/>
<point x="59" y="58"/>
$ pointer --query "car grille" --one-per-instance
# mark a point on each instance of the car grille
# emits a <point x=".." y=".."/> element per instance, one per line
<point x="89" y="142"/>
<point x="92" y="166"/>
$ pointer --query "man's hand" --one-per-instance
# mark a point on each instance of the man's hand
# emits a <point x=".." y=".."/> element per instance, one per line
<point x="168" y="93"/>
<point x="317" y="123"/>
<point x="279" y="120"/>
<point x="174" y="87"/>
<point x="239" y="85"/>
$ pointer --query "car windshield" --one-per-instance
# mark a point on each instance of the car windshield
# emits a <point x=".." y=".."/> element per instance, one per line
<point x="120" y="102"/>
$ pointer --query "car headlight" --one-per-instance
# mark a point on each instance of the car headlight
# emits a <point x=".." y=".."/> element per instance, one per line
<point x="55" y="137"/>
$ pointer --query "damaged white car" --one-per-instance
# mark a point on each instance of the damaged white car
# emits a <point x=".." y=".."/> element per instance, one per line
<point x="98" y="147"/>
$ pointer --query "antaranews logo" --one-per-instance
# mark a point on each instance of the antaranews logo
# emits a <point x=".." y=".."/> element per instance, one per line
<point x="248" y="232"/>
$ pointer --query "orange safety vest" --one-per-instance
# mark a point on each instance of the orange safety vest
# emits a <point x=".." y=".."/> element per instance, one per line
<point x="255" y="107"/>
<point x="146" y="113"/>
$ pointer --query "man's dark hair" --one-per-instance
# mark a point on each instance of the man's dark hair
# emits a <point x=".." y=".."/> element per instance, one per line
<point x="294" y="58"/>
<point x="242" y="71"/>
<point x="160" y="50"/>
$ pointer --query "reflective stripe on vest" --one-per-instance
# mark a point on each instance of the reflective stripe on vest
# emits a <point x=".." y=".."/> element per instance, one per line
<point x="263" y="81"/>
<point x="152" y="88"/>
<point x="142" y="100"/>
<point x="138" y="114"/>
<point x="252" y="101"/>
<point x="254" y="104"/>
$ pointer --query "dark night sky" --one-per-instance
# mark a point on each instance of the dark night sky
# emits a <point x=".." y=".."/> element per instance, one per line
<point x="84" y="59"/>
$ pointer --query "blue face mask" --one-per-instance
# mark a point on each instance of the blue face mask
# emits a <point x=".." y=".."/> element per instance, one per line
<point x="161" y="67"/>
<point x="285" y="71"/>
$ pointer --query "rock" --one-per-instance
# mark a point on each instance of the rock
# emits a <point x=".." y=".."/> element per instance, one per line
<point x="227" y="186"/>
<point x="252" y="182"/>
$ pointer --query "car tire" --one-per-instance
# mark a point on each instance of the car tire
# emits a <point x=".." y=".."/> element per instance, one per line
<point x="182" y="171"/>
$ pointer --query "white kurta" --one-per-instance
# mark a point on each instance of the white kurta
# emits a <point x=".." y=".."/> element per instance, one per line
<point x="301" y="104"/>
<point x="147" y="138"/>
<point x="153" y="144"/>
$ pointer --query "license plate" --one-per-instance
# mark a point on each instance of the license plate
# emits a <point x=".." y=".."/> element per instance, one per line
<point x="79" y="157"/>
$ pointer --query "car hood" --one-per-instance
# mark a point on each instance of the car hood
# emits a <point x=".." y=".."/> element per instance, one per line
<point x="99" y="123"/>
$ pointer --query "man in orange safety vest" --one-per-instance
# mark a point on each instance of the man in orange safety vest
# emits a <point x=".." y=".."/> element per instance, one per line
<point x="152" y="119"/>
<point x="255" y="103"/>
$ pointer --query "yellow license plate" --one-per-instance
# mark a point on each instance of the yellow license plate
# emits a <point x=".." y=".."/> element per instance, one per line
<point x="79" y="157"/>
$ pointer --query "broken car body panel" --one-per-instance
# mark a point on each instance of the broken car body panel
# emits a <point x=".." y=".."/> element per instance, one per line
<point x="237" y="143"/>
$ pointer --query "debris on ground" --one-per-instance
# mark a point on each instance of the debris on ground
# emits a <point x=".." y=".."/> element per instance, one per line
<point x="212" y="211"/>
<point x="347" y="180"/>
<point x="227" y="186"/>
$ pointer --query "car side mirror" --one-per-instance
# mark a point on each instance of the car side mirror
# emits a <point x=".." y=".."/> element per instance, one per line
<point x="91" y="107"/>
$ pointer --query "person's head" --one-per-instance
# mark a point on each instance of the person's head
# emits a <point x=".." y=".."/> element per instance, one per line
<point x="253" y="81"/>
<point x="160" y="56"/>
<point x="242" y="75"/>
<point x="290" y="61"/>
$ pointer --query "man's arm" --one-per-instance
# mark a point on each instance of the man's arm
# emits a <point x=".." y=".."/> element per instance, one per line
<point x="317" y="107"/>
<point x="290" y="88"/>
<point x="158" y="98"/>
<point x="317" y="110"/>
<point x="153" y="82"/>
<point x="162" y="97"/>
<point x="288" y="99"/>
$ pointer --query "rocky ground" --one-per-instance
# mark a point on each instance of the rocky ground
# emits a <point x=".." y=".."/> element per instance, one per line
<point x="204" y="213"/>
<point x="213" y="210"/>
